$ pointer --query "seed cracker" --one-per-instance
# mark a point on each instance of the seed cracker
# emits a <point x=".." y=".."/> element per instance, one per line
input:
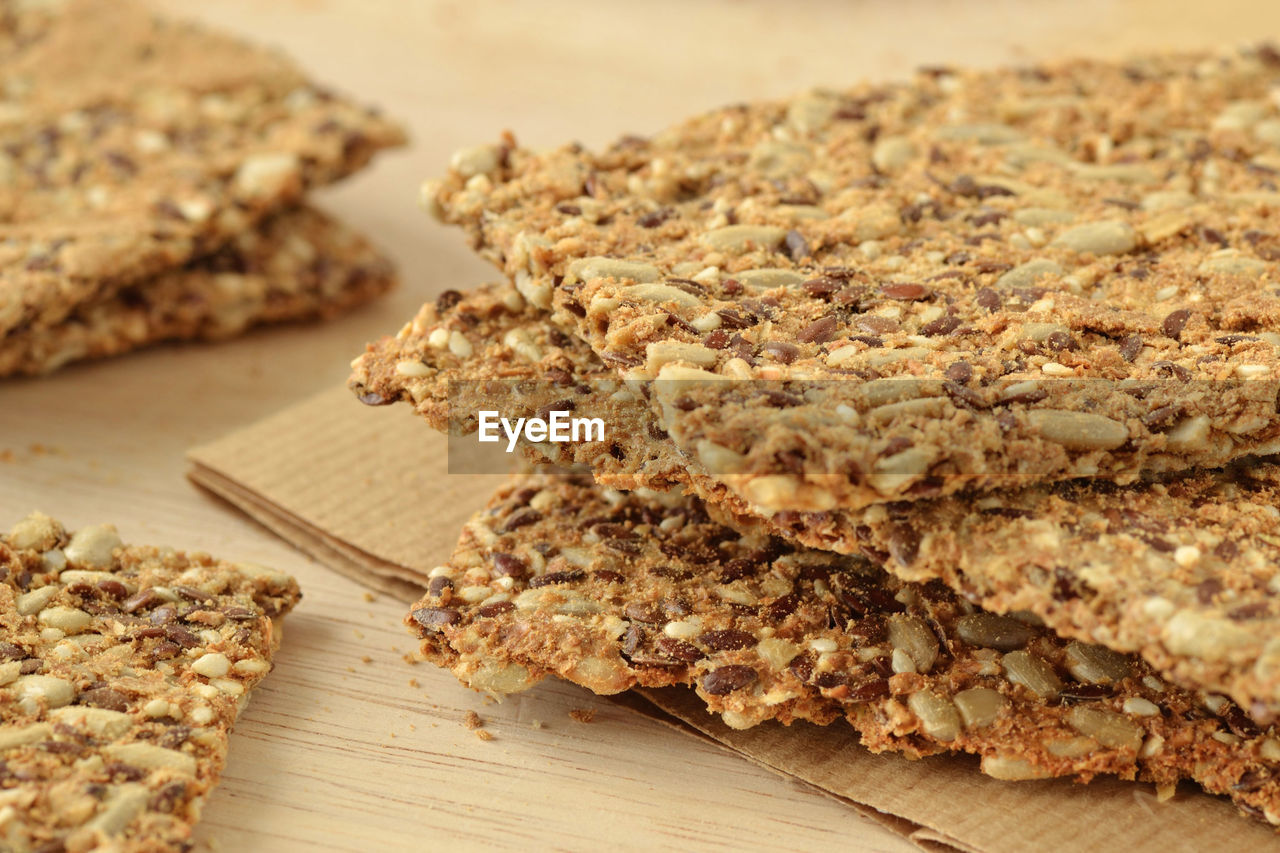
<point x="298" y="265"/>
<point x="611" y="590"/>
<point x="1185" y="573"/>
<point x="124" y="157"/>
<point x="122" y="672"/>
<point x="1003" y="235"/>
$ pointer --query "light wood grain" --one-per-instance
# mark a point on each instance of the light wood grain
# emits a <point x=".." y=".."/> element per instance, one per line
<point x="339" y="754"/>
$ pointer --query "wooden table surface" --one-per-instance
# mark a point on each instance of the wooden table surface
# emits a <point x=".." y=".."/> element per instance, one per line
<point x="346" y="747"/>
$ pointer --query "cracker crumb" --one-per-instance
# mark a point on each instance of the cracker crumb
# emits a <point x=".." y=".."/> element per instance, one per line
<point x="413" y="682"/>
<point x="409" y="659"/>
<point x="368" y="596"/>
<point x="366" y="659"/>
<point x="483" y="735"/>
<point x="6" y="456"/>
<point x="537" y="724"/>
<point x="472" y="721"/>
<point x="583" y="715"/>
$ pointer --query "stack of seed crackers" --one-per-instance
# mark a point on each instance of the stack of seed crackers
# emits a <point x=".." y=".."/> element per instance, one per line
<point x="151" y="177"/>
<point x="940" y="409"/>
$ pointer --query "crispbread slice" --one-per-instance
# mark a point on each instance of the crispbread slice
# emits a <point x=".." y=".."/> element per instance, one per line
<point x="298" y="265"/>
<point x="610" y="590"/>
<point x="1021" y="238"/>
<point x="1185" y="573"/>
<point x="127" y="156"/>
<point x="123" y="669"/>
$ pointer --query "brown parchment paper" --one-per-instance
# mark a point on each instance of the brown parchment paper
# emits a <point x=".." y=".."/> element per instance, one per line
<point x="367" y="493"/>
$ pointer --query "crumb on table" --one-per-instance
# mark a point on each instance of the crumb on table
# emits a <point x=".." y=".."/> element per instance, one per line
<point x="583" y="715"/>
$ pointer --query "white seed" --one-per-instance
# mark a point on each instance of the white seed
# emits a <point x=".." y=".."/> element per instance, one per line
<point x="1027" y="274"/>
<point x="1038" y="217"/>
<point x="653" y="292"/>
<point x="91" y="578"/>
<point x="708" y="322"/>
<point x="265" y="175"/>
<point x="1216" y="703"/>
<point x="69" y="620"/>
<point x="1039" y="332"/>
<point x="412" y="368"/>
<point x="35" y="600"/>
<point x="204" y="691"/>
<point x="738" y="238"/>
<point x="913" y="637"/>
<point x="1140" y="707"/>
<point x="718" y="459"/>
<point x="892" y="153"/>
<point x="92" y="547"/>
<point x="777" y="652"/>
<point x="1189" y="435"/>
<point x="100" y="722"/>
<point x="1125" y="173"/>
<point x="474" y="594"/>
<point x="499" y="678"/>
<point x="1033" y="673"/>
<point x="1078" y="430"/>
<point x="1011" y="768"/>
<point x="1096" y="664"/>
<point x="201" y="715"/>
<point x="439" y="338"/>
<point x="685" y="629"/>
<point x="253" y="666"/>
<point x="823" y="644"/>
<point x="459" y="345"/>
<point x="124" y="804"/>
<point x="536" y="289"/>
<point x="211" y="665"/>
<point x="53" y="692"/>
<point x="983" y="133"/>
<point x="901" y="662"/>
<point x="769" y="277"/>
<point x="660" y="353"/>
<point x="148" y="756"/>
<point x="979" y="706"/>
<point x="9" y="670"/>
<point x="195" y="209"/>
<point x="1187" y="556"/>
<point x="12" y="737"/>
<point x="156" y="708"/>
<point x="586" y="269"/>
<point x="1233" y="265"/>
<point x="479" y="160"/>
<point x="1111" y="237"/>
<point x="229" y="686"/>
<point x="938" y="716"/>
<point x="521" y="342"/>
